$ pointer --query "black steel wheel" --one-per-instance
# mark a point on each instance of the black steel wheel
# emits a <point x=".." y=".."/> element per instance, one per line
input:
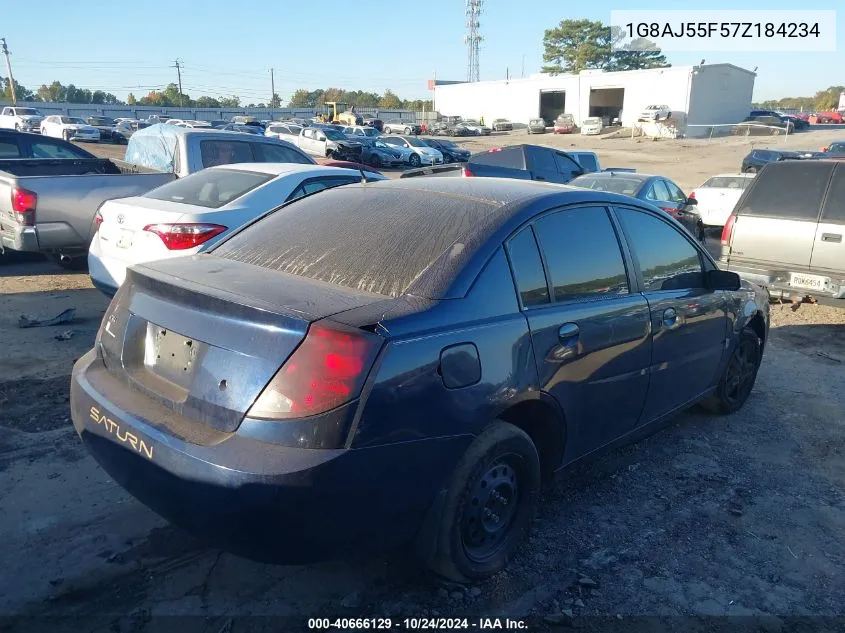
<point x="415" y="160"/>
<point x="740" y="375"/>
<point x="488" y="507"/>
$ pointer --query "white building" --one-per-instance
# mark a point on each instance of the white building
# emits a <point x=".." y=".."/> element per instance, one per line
<point x="697" y="95"/>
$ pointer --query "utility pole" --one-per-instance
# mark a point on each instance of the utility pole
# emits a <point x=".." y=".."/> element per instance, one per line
<point x="272" y="88"/>
<point x="178" y="66"/>
<point x="5" y="50"/>
<point x="507" y="73"/>
<point x="523" y="65"/>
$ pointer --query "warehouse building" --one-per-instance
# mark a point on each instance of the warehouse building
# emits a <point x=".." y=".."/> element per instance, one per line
<point x="697" y="95"/>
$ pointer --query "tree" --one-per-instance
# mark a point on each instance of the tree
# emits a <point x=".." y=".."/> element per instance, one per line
<point x="828" y="99"/>
<point x="130" y="99"/>
<point x="574" y="45"/>
<point x="389" y="100"/>
<point x="230" y="102"/>
<point x="207" y="102"/>
<point x="637" y="54"/>
<point x="22" y="93"/>
<point x="276" y="101"/>
<point x="54" y="92"/>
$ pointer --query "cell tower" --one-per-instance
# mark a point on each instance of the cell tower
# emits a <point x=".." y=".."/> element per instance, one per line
<point x="473" y="38"/>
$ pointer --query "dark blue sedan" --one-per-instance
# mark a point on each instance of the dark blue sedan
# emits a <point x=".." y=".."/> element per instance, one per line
<point x="404" y="362"/>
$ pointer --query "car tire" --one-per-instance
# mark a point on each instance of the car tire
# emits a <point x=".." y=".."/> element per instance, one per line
<point x="375" y="161"/>
<point x="407" y="130"/>
<point x="489" y="505"/>
<point x="66" y="136"/>
<point x="751" y="170"/>
<point x="739" y="376"/>
<point x="415" y="160"/>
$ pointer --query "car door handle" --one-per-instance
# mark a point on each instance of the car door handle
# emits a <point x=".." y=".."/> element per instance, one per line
<point x="539" y="177"/>
<point x="670" y="319"/>
<point x="832" y="237"/>
<point x="568" y="334"/>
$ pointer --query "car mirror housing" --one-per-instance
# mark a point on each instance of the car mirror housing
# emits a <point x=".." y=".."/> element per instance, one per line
<point x="722" y="280"/>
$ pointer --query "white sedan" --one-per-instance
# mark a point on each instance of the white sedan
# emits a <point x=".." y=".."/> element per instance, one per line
<point x="191" y="214"/>
<point x="414" y="151"/>
<point x="717" y="196"/>
<point x="70" y="128"/>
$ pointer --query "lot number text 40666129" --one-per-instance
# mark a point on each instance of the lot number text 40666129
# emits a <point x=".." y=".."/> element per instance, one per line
<point x="416" y="624"/>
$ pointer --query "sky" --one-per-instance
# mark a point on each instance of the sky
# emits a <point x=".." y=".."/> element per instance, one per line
<point x="374" y="45"/>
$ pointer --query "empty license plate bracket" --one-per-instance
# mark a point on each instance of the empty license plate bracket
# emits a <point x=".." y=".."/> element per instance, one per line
<point x="169" y="354"/>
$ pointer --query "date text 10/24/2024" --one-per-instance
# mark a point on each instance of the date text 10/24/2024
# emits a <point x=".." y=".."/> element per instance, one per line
<point x="416" y="624"/>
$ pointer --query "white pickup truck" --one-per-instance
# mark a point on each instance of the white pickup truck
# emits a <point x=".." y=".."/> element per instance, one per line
<point x="327" y="141"/>
<point x="21" y="119"/>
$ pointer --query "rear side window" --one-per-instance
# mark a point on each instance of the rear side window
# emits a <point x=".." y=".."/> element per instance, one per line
<point x="568" y="165"/>
<point x="588" y="162"/>
<point x="667" y="260"/>
<point x="542" y="160"/>
<point x="788" y="190"/>
<point x="211" y="188"/>
<point x="270" y="153"/>
<point x="512" y="157"/>
<point x="528" y="269"/>
<point x="373" y="241"/>
<point x="46" y="149"/>
<point x="582" y="254"/>
<point x="9" y="149"/>
<point x="834" y="207"/>
<point x="225" y="153"/>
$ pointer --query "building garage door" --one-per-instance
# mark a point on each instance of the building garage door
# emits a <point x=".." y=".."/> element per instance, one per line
<point x="606" y="103"/>
<point x="552" y="104"/>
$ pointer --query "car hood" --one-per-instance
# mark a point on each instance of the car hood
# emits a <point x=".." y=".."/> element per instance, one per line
<point x="82" y="128"/>
<point x="30" y="117"/>
<point x="102" y="127"/>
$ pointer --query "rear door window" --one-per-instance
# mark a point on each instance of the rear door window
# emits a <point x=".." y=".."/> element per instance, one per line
<point x="47" y="149"/>
<point x="542" y="159"/>
<point x="318" y="184"/>
<point x="834" y="206"/>
<point x="657" y="191"/>
<point x="588" y="162"/>
<point x="568" y="166"/>
<point x="271" y="153"/>
<point x="528" y="269"/>
<point x="225" y="152"/>
<point x="788" y="190"/>
<point x="9" y="148"/>
<point x="675" y="193"/>
<point x="582" y="254"/>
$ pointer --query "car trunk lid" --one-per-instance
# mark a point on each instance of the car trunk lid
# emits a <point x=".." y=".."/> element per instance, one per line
<point x="204" y="337"/>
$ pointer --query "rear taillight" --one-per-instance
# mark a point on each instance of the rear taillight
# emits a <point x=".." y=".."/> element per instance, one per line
<point x="466" y="173"/>
<point x="327" y="370"/>
<point x="728" y="230"/>
<point x="23" y="204"/>
<point x="178" y="237"/>
<point x="670" y="210"/>
<point x="98" y="219"/>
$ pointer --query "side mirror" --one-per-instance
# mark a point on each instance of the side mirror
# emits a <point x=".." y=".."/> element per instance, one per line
<point x="691" y="202"/>
<point x="722" y="280"/>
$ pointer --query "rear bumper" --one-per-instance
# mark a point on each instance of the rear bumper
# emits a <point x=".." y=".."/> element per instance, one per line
<point x="106" y="274"/>
<point x="20" y="238"/>
<point x="778" y="281"/>
<point x="258" y="499"/>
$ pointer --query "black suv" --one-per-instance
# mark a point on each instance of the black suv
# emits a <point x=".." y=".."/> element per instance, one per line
<point x="758" y="158"/>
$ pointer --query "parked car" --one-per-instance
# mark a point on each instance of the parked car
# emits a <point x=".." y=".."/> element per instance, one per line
<point x="243" y="129"/>
<point x="657" y="190"/>
<point x="786" y="231"/>
<point x="284" y="131"/>
<point x="357" y="131"/>
<point x="327" y="141"/>
<point x="105" y="125"/>
<point x="522" y="162"/>
<point x="126" y="128"/>
<point x="316" y="356"/>
<point x="452" y="152"/>
<point x="717" y="197"/>
<point x="834" y="150"/>
<point x="190" y="215"/>
<point x="415" y="152"/>
<point x="376" y="123"/>
<point x="564" y="124"/>
<point x="829" y="117"/>
<point x="502" y="125"/>
<point x="401" y="127"/>
<point x="475" y="127"/>
<point x="218" y="123"/>
<point x="376" y="153"/>
<point x="655" y="113"/>
<point x="798" y="123"/>
<point x="16" y="145"/>
<point x="756" y="159"/>
<point x="55" y="213"/>
<point x="591" y="125"/>
<point x="69" y="128"/>
<point x="763" y="125"/>
<point x="536" y="126"/>
<point x="21" y="119"/>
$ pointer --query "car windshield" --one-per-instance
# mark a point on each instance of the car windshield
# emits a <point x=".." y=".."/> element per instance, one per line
<point x="28" y="111"/>
<point x="727" y="182"/>
<point x="625" y="186"/>
<point x="334" y="135"/>
<point x="415" y="142"/>
<point x="101" y="120"/>
<point x="381" y="145"/>
<point x="537" y="122"/>
<point x="371" y="131"/>
<point x="444" y="143"/>
<point x="592" y="121"/>
<point x="73" y="119"/>
<point x="210" y="188"/>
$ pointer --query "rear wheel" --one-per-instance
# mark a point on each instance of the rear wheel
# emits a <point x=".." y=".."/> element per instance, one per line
<point x="738" y="380"/>
<point x="489" y="505"/>
<point x="407" y="130"/>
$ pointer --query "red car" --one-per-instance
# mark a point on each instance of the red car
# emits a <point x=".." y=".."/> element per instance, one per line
<point x="829" y="117"/>
<point x="564" y="124"/>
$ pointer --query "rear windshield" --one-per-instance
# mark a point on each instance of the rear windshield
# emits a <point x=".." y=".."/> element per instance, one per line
<point x="374" y="241"/>
<point x="512" y="157"/>
<point x="791" y="189"/>
<point x="625" y="186"/>
<point x="211" y="188"/>
<point x="727" y="182"/>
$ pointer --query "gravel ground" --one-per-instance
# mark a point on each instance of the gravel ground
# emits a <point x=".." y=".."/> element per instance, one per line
<point x="739" y="515"/>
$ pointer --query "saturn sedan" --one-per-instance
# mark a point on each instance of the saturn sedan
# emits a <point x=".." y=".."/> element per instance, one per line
<point x="403" y="362"/>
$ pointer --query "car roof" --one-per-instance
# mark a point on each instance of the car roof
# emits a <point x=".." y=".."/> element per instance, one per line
<point x="282" y="169"/>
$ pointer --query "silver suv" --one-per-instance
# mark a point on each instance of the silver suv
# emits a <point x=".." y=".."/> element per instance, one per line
<point x="786" y="231"/>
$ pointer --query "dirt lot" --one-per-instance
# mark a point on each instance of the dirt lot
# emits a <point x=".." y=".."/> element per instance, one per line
<point x="712" y="516"/>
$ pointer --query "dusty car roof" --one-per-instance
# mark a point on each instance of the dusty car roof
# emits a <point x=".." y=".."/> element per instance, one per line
<point x="280" y="169"/>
